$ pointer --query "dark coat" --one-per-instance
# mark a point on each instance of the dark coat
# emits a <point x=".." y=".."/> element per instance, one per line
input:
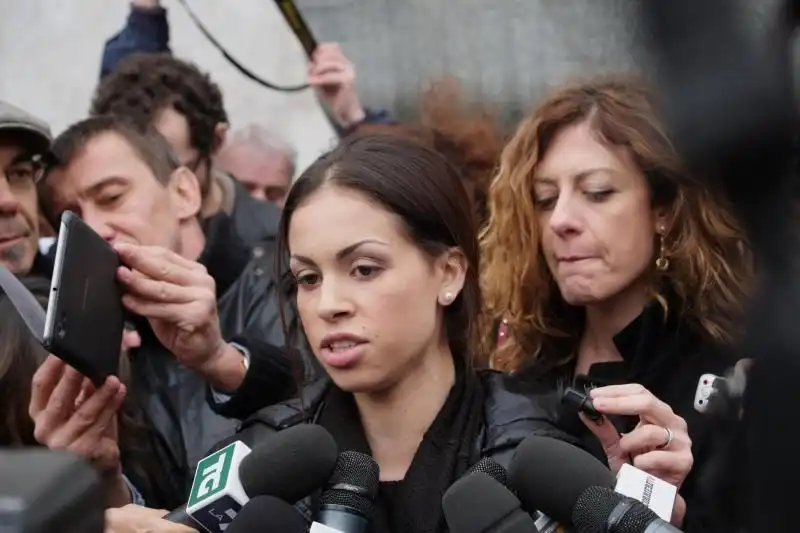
<point x="667" y="356"/>
<point x="178" y="403"/>
<point x="512" y="411"/>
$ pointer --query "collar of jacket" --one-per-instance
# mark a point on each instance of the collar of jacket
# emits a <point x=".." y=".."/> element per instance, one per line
<point x="647" y="343"/>
<point x="513" y="409"/>
<point x="225" y="255"/>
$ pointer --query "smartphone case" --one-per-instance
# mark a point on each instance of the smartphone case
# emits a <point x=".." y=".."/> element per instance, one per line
<point x="85" y="329"/>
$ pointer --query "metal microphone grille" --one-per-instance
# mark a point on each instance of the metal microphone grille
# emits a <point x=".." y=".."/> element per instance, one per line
<point x="354" y="483"/>
<point x="595" y="505"/>
<point x="491" y="469"/>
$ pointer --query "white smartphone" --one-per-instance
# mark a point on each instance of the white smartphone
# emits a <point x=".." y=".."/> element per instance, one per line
<point x="706" y="387"/>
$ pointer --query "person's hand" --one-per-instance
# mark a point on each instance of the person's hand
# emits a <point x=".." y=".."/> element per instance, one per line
<point x="177" y="296"/>
<point x="70" y="414"/>
<point x="660" y="443"/>
<point x="146" y="4"/>
<point x="138" y="519"/>
<point x="334" y="78"/>
<point x="179" y="299"/>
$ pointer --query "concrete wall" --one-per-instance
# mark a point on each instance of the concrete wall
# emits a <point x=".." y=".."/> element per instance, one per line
<point x="507" y="51"/>
<point x="50" y="60"/>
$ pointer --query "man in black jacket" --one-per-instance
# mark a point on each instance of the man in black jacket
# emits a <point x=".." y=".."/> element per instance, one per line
<point x="205" y="313"/>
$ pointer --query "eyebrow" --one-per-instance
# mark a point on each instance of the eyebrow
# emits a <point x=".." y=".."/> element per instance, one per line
<point x="580" y="176"/>
<point x="341" y="254"/>
<point x="105" y="182"/>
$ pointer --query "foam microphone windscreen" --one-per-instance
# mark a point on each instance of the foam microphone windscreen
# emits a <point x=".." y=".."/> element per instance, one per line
<point x="267" y="513"/>
<point x="476" y="503"/>
<point x="549" y="475"/>
<point x="292" y="464"/>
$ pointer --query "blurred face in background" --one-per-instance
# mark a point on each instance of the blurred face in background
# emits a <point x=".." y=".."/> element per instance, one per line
<point x="266" y="174"/>
<point x="367" y="295"/>
<point x="19" y="218"/>
<point x="109" y="185"/>
<point x="598" y="229"/>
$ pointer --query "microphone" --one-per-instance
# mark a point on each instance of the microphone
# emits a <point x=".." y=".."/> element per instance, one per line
<point x="601" y="510"/>
<point x="549" y="475"/>
<point x="554" y="477"/>
<point x="44" y="491"/>
<point x="480" y="503"/>
<point x="268" y="513"/>
<point x="347" y="504"/>
<point x="290" y="465"/>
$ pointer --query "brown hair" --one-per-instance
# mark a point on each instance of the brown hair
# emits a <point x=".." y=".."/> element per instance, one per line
<point x="708" y="270"/>
<point x="20" y="356"/>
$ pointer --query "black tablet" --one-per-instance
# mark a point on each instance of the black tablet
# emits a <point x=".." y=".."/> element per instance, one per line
<point x="85" y="316"/>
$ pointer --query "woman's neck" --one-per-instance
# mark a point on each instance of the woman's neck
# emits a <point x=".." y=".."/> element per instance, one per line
<point x="603" y="321"/>
<point x="396" y="421"/>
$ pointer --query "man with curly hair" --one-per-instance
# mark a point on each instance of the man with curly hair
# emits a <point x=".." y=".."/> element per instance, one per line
<point x="186" y="107"/>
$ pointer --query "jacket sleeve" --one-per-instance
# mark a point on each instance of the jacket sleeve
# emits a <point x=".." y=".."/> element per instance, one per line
<point x="146" y="31"/>
<point x="371" y="116"/>
<point x="273" y="366"/>
<point x="270" y="379"/>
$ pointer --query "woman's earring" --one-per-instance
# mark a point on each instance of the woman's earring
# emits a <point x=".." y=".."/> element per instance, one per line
<point x="662" y="262"/>
<point x="447" y="299"/>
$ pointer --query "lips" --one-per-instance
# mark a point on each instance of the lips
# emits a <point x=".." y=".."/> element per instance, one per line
<point x="11" y="239"/>
<point x="342" y="350"/>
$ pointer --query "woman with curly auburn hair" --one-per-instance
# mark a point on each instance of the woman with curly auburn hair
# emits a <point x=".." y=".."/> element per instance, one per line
<point x="608" y="268"/>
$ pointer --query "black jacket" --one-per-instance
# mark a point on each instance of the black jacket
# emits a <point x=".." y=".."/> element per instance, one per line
<point x="667" y="356"/>
<point x="513" y="410"/>
<point x="177" y="402"/>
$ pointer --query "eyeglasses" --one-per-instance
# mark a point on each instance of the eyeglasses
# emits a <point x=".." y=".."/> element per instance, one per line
<point x="24" y="172"/>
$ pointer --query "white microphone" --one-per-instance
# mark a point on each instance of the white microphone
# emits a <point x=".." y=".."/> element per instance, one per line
<point x="658" y="495"/>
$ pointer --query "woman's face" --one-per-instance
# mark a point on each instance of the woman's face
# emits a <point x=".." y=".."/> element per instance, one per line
<point x="598" y="229"/>
<point x="367" y="296"/>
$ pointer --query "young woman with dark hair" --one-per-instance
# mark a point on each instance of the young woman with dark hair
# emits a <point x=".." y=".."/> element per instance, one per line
<point x="382" y="247"/>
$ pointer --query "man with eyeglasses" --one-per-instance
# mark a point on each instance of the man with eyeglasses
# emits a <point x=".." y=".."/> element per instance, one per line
<point x="23" y="141"/>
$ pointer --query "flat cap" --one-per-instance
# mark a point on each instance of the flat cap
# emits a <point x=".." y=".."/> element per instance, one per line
<point x="31" y="129"/>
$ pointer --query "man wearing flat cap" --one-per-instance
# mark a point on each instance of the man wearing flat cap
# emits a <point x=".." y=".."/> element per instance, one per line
<point x="24" y="139"/>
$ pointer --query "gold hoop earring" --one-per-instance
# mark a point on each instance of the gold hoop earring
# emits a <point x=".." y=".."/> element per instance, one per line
<point x="662" y="262"/>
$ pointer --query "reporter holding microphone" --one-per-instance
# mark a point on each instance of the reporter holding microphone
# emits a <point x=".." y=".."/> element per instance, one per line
<point x="627" y="281"/>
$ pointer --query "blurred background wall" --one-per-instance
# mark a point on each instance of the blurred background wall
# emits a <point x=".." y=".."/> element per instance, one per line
<point x="506" y="51"/>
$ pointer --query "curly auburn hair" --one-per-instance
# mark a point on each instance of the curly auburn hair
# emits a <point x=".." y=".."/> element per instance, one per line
<point x="143" y="85"/>
<point x="709" y="266"/>
<point x="468" y="136"/>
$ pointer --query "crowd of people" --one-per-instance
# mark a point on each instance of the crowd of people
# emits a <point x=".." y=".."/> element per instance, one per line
<point x="425" y="291"/>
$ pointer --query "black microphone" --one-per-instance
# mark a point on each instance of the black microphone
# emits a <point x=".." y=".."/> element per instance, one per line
<point x="268" y="514"/>
<point x="290" y="465"/>
<point x="44" y="491"/>
<point x="348" y="502"/>
<point x="492" y="469"/>
<point x="480" y="503"/>
<point x="601" y="510"/>
<point x="550" y="475"/>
